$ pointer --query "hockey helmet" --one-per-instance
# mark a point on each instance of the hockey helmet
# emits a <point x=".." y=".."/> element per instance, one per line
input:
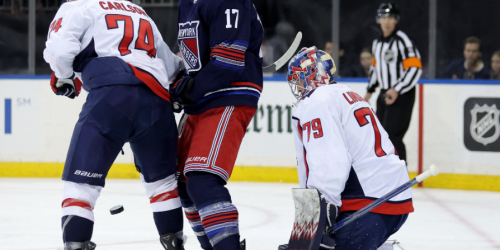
<point x="309" y="69"/>
<point x="388" y="9"/>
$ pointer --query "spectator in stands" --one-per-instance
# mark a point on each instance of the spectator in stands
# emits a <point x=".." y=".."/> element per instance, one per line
<point x="343" y="66"/>
<point x="365" y="62"/>
<point x="495" y="66"/>
<point x="267" y="53"/>
<point x="279" y="43"/>
<point x="472" y="67"/>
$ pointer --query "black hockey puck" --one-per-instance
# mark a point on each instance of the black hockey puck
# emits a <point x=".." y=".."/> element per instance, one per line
<point x="116" y="209"/>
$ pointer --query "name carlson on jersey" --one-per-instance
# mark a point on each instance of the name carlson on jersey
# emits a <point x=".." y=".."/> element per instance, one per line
<point x="121" y="6"/>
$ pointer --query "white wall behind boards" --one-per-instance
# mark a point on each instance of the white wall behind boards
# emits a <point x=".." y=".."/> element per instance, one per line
<point x="42" y="124"/>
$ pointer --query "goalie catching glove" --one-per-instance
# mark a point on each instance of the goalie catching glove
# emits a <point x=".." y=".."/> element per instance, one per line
<point x="327" y="241"/>
<point x="69" y="87"/>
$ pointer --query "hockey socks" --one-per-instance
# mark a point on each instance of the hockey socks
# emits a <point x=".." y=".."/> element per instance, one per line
<point x="220" y="221"/>
<point x="219" y="217"/>
<point x="76" y="230"/>
<point x="170" y="221"/>
<point x="167" y="211"/>
<point x="78" y="217"/>
<point x="195" y="221"/>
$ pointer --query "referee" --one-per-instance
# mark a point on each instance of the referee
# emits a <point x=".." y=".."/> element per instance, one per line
<point x="396" y="69"/>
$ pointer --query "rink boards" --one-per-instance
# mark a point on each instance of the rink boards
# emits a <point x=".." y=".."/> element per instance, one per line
<point x="459" y="127"/>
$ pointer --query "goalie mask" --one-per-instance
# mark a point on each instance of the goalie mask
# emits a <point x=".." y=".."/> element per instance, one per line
<point x="309" y="69"/>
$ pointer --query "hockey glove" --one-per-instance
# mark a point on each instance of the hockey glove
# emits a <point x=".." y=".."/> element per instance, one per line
<point x="332" y="212"/>
<point x="328" y="241"/>
<point x="179" y="91"/>
<point x="179" y="75"/>
<point x="69" y="87"/>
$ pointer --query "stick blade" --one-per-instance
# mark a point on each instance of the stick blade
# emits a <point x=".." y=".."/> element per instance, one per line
<point x="269" y="69"/>
<point x="310" y="219"/>
<point x="286" y="57"/>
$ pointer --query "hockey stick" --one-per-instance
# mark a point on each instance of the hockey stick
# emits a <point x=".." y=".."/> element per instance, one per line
<point x="433" y="171"/>
<point x="286" y="57"/>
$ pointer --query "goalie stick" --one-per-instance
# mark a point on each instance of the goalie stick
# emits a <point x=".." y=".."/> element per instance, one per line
<point x="310" y="214"/>
<point x="433" y="171"/>
<point x="286" y="57"/>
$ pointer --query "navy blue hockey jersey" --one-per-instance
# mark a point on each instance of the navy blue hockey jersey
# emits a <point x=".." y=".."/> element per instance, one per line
<point x="220" y="43"/>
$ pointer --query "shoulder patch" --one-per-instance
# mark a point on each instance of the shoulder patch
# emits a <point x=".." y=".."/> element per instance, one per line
<point x="188" y="45"/>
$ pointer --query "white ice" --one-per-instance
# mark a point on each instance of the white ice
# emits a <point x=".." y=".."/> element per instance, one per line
<point x="30" y="217"/>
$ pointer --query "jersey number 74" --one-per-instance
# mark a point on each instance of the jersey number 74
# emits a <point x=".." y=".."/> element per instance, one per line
<point x="145" y="41"/>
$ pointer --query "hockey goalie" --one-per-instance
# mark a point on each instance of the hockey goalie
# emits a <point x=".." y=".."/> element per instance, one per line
<point x="345" y="161"/>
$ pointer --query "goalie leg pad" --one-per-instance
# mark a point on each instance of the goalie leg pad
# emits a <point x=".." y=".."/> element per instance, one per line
<point x="369" y="231"/>
<point x="310" y="219"/>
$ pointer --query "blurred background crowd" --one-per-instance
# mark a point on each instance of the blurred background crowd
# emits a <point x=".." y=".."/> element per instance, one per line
<point x="466" y="45"/>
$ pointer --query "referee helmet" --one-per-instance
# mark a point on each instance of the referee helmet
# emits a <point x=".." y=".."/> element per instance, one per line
<point x="388" y="9"/>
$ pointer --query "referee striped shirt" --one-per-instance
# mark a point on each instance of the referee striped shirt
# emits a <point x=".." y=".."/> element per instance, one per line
<point x="395" y="63"/>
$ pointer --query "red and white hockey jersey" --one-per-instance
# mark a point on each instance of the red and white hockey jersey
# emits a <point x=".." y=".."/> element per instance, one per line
<point x="92" y="28"/>
<point x="345" y="153"/>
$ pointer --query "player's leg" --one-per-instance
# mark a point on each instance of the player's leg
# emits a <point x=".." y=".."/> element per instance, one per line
<point x="77" y="213"/>
<point x="397" y="120"/>
<point x="154" y="143"/>
<point x="368" y="232"/>
<point x="93" y="149"/>
<point x="214" y="146"/>
<point x="166" y="207"/>
<point x="393" y="224"/>
<point x="186" y="130"/>
<point x="193" y="216"/>
<point x="218" y="215"/>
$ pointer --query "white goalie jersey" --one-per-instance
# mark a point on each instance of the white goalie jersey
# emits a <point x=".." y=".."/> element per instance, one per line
<point x="345" y="153"/>
<point x="108" y="29"/>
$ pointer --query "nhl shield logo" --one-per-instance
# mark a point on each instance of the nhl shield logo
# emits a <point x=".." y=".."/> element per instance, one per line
<point x="188" y="45"/>
<point x="389" y="56"/>
<point x="484" y="119"/>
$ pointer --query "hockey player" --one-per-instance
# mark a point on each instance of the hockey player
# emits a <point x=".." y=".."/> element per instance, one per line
<point x="344" y="153"/>
<point x="220" y="43"/>
<point x="119" y="54"/>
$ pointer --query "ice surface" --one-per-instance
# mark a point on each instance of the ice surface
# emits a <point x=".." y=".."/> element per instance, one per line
<point x="30" y="211"/>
